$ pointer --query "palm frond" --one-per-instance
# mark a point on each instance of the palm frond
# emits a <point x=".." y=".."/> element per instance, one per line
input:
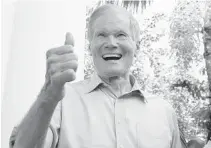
<point x="135" y="5"/>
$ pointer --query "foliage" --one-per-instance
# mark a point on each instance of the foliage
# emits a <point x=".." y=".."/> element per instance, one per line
<point x="186" y="26"/>
<point x="186" y="44"/>
<point x="170" y="63"/>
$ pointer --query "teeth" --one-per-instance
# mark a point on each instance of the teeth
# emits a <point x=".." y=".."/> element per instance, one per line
<point x="112" y="55"/>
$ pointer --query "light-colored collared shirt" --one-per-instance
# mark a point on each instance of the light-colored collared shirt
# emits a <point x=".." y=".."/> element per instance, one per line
<point x="91" y="116"/>
<point x="208" y="145"/>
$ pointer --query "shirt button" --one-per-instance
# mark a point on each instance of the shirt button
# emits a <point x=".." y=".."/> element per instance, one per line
<point x="118" y="122"/>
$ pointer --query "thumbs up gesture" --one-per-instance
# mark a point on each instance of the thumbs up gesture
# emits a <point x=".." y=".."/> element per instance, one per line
<point x="62" y="64"/>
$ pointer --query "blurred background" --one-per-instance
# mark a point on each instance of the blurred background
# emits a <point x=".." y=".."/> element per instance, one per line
<point x="173" y="60"/>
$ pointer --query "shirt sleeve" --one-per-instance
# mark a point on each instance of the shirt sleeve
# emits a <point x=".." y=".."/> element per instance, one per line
<point x="208" y="145"/>
<point x="52" y="135"/>
<point x="183" y="141"/>
<point x="176" y="141"/>
<point x="173" y="123"/>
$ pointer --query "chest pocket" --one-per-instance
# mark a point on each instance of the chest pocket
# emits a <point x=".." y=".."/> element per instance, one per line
<point x="150" y="131"/>
<point x="153" y="135"/>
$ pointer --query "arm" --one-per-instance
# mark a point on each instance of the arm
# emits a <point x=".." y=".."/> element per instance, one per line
<point x="61" y="67"/>
<point x="183" y="141"/>
<point x="176" y="139"/>
<point x="34" y="127"/>
<point x="208" y="145"/>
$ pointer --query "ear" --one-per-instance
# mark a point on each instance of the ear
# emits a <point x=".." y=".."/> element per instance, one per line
<point x="137" y="48"/>
<point x="89" y="50"/>
<point x="138" y="45"/>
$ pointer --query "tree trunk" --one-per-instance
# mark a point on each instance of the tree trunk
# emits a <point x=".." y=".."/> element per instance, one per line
<point x="207" y="44"/>
<point x="207" y="56"/>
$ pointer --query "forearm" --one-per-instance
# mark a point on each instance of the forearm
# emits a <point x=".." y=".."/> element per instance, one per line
<point x="32" y="130"/>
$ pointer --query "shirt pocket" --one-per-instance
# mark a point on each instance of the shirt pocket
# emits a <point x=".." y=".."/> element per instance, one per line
<point x="152" y="135"/>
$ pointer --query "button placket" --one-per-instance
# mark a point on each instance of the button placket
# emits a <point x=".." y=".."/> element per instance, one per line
<point x="119" y="122"/>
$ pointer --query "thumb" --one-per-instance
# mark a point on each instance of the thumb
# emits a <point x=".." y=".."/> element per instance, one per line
<point x="69" y="39"/>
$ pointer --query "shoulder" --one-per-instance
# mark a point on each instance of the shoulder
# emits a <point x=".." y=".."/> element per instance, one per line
<point x="208" y="145"/>
<point x="159" y="103"/>
<point x="158" y="100"/>
<point x="79" y="86"/>
<point x="163" y="107"/>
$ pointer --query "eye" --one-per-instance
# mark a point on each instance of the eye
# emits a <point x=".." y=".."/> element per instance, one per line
<point x="121" y="35"/>
<point x="101" y="35"/>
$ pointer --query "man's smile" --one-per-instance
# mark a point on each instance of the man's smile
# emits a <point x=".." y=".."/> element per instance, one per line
<point x="111" y="56"/>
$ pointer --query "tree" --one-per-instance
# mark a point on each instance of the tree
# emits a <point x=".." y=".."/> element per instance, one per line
<point x="207" y="42"/>
<point x="207" y="56"/>
<point x="186" y="39"/>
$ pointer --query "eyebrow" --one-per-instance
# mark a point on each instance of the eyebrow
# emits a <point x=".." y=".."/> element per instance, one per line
<point x="115" y="31"/>
<point x="121" y="31"/>
<point x="100" y="31"/>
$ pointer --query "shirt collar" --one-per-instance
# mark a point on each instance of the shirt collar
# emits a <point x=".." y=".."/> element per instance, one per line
<point x="95" y="81"/>
<point x="137" y="88"/>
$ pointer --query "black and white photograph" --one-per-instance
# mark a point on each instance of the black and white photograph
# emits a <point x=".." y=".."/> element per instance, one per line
<point x="106" y="74"/>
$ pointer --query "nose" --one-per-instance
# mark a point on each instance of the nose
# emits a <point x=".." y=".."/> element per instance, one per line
<point x="111" y="42"/>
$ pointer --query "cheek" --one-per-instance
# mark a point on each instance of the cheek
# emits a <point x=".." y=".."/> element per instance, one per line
<point x="95" y="47"/>
<point x="93" y="50"/>
<point x="129" y="48"/>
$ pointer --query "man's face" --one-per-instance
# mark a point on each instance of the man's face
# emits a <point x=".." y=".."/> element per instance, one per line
<point x="112" y="46"/>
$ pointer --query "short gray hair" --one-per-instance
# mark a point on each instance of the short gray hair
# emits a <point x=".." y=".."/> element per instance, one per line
<point x="102" y="9"/>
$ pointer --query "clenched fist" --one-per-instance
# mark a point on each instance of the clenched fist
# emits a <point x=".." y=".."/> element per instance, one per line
<point x="62" y="64"/>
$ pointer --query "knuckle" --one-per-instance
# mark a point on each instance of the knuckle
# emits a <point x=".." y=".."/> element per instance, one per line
<point x="72" y="65"/>
<point x="69" y="47"/>
<point x="50" y="60"/>
<point x="73" y="56"/>
<point x="48" y="53"/>
<point x="53" y="59"/>
<point x="76" y="57"/>
<point x="70" y="71"/>
<point x="52" y="69"/>
<point x="74" y="62"/>
<point x="72" y="74"/>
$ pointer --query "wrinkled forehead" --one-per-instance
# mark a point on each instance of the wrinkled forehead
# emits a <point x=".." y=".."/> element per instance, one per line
<point x="108" y="10"/>
<point x="111" y="21"/>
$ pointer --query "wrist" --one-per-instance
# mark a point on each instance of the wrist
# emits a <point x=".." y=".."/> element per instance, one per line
<point x="52" y="93"/>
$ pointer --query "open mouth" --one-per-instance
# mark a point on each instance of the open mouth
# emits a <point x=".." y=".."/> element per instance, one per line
<point x="112" y="56"/>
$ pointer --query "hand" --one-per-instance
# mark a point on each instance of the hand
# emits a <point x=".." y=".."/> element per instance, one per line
<point x="62" y="64"/>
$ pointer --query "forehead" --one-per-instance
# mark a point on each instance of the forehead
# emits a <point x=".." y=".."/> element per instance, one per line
<point x="111" y="20"/>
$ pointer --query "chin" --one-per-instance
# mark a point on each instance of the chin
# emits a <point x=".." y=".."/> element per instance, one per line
<point x="113" y="73"/>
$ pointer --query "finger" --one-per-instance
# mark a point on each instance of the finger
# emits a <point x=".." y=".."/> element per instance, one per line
<point x="69" y="40"/>
<point x="60" y="50"/>
<point x="60" y="67"/>
<point x="61" y="58"/>
<point x="61" y="78"/>
<point x="68" y="65"/>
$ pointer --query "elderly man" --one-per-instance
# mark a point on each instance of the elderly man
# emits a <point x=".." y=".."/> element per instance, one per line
<point x="107" y="111"/>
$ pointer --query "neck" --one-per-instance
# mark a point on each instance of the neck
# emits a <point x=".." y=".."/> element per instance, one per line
<point x="118" y="84"/>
